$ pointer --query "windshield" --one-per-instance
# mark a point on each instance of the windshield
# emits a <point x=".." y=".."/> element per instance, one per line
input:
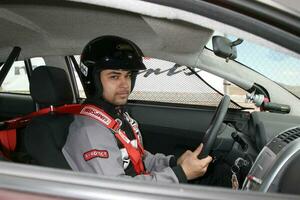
<point x="279" y="67"/>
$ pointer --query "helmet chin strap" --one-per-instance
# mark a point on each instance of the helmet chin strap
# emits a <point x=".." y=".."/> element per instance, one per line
<point x="98" y="93"/>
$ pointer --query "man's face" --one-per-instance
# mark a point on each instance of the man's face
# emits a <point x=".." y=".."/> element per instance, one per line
<point x="116" y="86"/>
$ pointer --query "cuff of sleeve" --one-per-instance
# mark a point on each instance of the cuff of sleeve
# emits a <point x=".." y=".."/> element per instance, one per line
<point x="180" y="174"/>
<point x="173" y="161"/>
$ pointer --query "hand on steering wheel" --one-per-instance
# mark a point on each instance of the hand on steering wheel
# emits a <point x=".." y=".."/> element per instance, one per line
<point x="214" y="126"/>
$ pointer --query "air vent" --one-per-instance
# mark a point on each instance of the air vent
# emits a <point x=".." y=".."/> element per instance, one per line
<point x="289" y="135"/>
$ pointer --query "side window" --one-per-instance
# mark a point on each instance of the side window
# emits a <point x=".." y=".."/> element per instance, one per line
<point x="16" y="80"/>
<point x="237" y="94"/>
<point x="80" y="87"/>
<point x="79" y="84"/>
<point x="168" y="82"/>
<point x="37" y="61"/>
<point x="268" y="62"/>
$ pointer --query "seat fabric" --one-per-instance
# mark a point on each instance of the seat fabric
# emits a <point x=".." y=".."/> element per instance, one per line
<point x="45" y="135"/>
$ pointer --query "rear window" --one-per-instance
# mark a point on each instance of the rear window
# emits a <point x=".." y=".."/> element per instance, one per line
<point x="16" y="80"/>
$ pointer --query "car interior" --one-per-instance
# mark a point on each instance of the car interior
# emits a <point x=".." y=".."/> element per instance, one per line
<point x="264" y="146"/>
<point x="48" y="132"/>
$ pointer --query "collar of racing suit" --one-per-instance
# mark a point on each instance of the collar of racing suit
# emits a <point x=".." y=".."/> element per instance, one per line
<point x="112" y="110"/>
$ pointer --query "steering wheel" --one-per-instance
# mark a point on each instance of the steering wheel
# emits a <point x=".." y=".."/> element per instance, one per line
<point x="214" y="126"/>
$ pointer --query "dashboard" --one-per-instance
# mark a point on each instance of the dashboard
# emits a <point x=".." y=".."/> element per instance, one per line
<point x="276" y="166"/>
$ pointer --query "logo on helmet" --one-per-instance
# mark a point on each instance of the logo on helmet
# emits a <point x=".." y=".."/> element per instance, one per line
<point x="84" y="69"/>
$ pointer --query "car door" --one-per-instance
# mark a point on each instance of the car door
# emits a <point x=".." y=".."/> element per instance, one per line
<point x="174" y="106"/>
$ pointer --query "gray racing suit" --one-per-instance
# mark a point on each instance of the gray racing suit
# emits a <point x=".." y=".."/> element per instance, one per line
<point x="92" y="147"/>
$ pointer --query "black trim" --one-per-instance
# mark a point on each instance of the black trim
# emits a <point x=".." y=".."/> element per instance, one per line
<point x="262" y="22"/>
<point x="178" y="171"/>
<point x="28" y="67"/>
<point x="173" y="161"/>
<point x="80" y="75"/>
<point x="13" y="56"/>
<point x="178" y="105"/>
<point x="132" y="103"/>
<point x="72" y="77"/>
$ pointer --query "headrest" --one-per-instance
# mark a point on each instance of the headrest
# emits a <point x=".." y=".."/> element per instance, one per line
<point x="50" y="86"/>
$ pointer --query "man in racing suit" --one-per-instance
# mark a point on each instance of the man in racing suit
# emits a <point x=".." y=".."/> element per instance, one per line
<point x="105" y="139"/>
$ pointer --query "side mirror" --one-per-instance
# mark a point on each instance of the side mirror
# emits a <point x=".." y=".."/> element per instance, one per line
<point x="225" y="48"/>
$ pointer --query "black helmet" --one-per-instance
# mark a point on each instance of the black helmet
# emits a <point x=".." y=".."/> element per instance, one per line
<point x="108" y="52"/>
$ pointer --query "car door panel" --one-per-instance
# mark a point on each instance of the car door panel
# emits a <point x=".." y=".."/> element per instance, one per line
<point x="172" y="130"/>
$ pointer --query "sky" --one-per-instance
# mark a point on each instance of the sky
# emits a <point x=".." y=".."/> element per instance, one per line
<point x="275" y="65"/>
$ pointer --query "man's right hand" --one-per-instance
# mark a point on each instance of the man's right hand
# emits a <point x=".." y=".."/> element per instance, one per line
<point x="191" y="165"/>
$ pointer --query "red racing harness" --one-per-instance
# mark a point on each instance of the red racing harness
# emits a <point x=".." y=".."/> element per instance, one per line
<point x="8" y="136"/>
<point x="135" y="154"/>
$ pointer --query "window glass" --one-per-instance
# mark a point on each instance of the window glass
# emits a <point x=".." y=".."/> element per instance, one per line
<point x="80" y="88"/>
<point x="16" y="80"/>
<point x="281" y="68"/>
<point x="37" y="61"/>
<point x="168" y="82"/>
<point x="237" y="94"/>
<point x="79" y="84"/>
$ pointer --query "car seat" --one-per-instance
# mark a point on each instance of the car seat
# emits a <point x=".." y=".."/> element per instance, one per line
<point x="45" y="135"/>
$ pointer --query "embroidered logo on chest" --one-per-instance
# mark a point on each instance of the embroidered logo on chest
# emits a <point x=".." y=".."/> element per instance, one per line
<point x="95" y="153"/>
